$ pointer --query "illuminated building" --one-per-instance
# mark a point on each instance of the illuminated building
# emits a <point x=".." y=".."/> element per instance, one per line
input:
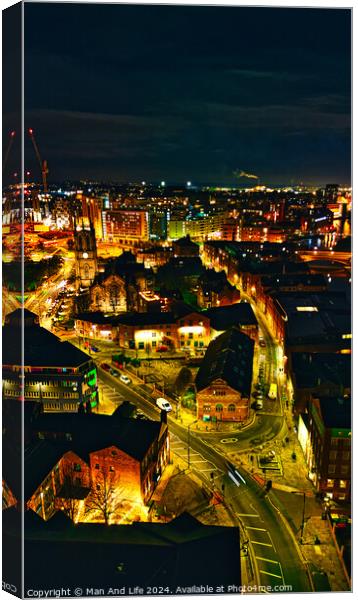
<point x="69" y="456"/>
<point x="326" y="441"/>
<point x="57" y="374"/>
<point x="125" y="225"/>
<point x="92" y="213"/>
<point x="150" y="332"/>
<point x="224" y="378"/>
<point x="118" y="288"/>
<point x="85" y="255"/>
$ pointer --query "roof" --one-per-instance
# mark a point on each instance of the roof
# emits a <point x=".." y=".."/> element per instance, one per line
<point x="82" y="434"/>
<point x="42" y="348"/>
<point x="228" y="357"/>
<point x="223" y="317"/>
<point x="314" y="369"/>
<point x="182" y="552"/>
<point x="91" y="432"/>
<point x="336" y="412"/>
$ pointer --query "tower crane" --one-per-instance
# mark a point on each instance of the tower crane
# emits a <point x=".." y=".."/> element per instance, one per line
<point x="12" y="135"/>
<point x="42" y="163"/>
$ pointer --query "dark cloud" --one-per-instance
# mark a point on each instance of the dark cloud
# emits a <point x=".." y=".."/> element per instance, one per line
<point x="189" y="92"/>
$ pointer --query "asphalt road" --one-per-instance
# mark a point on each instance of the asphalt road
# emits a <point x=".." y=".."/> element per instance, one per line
<point x="276" y="555"/>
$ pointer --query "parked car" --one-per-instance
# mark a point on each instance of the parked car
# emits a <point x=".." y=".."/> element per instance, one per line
<point x="94" y="349"/>
<point x="125" y="379"/>
<point x="105" y="366"/>
<point x="162" y="349"/>
<point x="114" y="372"/>
<point x="259" y="404"/>
<point x="262" y="344"/>
<point x="163" y="404"/>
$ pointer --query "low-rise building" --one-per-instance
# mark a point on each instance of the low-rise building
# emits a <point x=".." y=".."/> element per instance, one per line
<point x="57" y="374"/>
<point x="325" y="436"/>
<point x="224" y="378"/>
<point x="237" y="315"/>
<point x="73" y="456"/>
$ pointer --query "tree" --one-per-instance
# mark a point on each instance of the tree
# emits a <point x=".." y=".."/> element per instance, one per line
<point x="104" y="499"/>
<point x="183" y="379"/>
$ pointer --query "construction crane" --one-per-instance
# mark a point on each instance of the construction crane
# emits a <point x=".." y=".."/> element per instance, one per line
<point x="42" y="163"/>
<point x="12" y="135"/>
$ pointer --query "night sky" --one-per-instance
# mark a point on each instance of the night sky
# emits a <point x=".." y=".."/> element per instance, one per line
<point x="189" y="93"/>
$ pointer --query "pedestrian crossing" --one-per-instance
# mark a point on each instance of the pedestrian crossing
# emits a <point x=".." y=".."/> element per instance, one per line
<point x="197" y="462"/>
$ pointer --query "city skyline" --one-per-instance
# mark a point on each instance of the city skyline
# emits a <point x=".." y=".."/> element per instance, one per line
<point x="188" y="93"/>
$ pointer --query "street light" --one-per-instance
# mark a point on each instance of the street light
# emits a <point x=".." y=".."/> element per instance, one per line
<point x="303" y="513"/>
<point x="190" y="424"/>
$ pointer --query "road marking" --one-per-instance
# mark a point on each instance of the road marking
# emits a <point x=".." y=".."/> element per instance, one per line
<point x="257" y="529"/>
<point x="283" y="579"/>
<point x="267" y="560"/>
<point x="247" y="515"/>
<point x="273" y="545"/>
<point x="261" y="543"/>
<point x="272" y="574"/>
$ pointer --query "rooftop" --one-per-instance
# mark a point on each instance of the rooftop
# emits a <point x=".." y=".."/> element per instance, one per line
<point x="228" y="357"/>
<point x="42" y="348"/>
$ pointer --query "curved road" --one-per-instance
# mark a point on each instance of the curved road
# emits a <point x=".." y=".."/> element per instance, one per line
<point x="277" y="558"/>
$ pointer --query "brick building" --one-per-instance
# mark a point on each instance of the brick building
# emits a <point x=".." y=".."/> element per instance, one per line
<point x="71" y="457"/>
<point x="224" y="379"/>
<point x="326" y="441"/>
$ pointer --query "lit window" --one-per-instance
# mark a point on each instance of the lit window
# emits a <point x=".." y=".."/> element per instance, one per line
<point x="330" y="483"/>
<point x="346" y="336"/>
<point x="306" y="309"/>
<point x="219" y="408"/>
<point x="342" y="483"/>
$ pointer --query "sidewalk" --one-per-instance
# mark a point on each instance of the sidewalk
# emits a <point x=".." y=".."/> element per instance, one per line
<point x="323" y="558"/>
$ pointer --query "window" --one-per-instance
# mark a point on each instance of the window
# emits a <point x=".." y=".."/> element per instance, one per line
<point x="96" y="466"/>
<point x="346" y="455"/>
<point x="154" y="334"/>
<point x="206" y="408"/>
<point x="111" y="469"/>
<point x="141" y="346"/>
<point x="219" y="408"/>
<point x="330" y="483"/>
<point x="342" y="483"/>
<point x="306" y="309"/>
<point x="331" y="469"/>
<point x="231" y="408"/>
<point x="334" y="441"/>
<point x="345" y="469"/>
<point x="114" y="453"/>
<point x="77" y="467"/>
<point x="333" y="455"/>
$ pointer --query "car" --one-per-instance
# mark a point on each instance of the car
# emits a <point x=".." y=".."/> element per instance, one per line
<point x="262" y="344"/>
<point x="125" y="379"/>
<point x="105" y="366"/>
<point x="94" y="349"/>
<point x="114" y="373"/>
<point x="259" y="404"/>
<point x="163" y="404"/>
<point x="162" y="349"/>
